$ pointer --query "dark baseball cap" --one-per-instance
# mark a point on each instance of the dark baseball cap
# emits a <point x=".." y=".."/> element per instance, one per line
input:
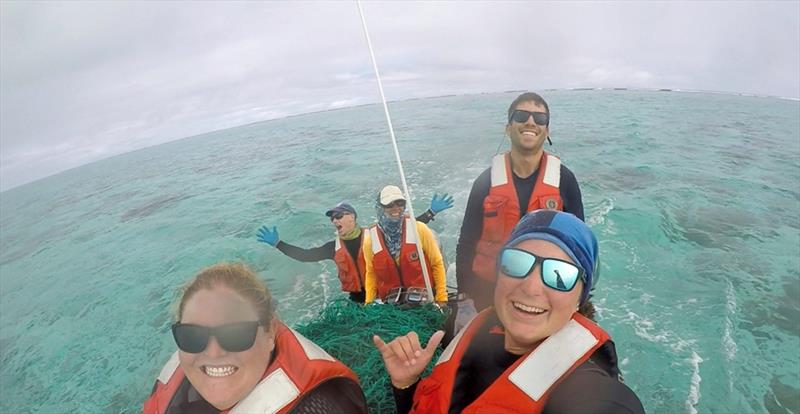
<point x="341" y="208"/>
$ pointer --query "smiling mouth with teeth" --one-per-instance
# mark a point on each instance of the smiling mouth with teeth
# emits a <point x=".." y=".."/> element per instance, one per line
<point x="218" y="372"/>
<point x="528" y="309"/>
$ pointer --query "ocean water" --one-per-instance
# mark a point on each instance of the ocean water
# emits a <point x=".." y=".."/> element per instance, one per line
<point x="695" y="199"/>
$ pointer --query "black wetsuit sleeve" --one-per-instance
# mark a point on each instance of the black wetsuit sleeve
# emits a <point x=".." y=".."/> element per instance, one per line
<point x="571" y="193"/>
<point x="426" y="217"/>
<point x="404" y="399"/>
<point x="471" y="228"/>
<point x="316" y="254"/>
<point x="590" y="390"/>
<point x="335" y="396"/>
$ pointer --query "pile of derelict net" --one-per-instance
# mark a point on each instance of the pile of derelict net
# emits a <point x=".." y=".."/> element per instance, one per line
<point x="344" y="329"/>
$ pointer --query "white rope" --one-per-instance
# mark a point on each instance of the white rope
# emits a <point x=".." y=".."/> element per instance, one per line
<point x="413" y="228"/>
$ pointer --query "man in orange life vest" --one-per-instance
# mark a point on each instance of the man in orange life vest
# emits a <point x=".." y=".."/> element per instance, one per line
<point x="345" y="250"/>
<point x="538" y="350"/>
<point x="525" y="179"/>
<point x="390" y="253"/>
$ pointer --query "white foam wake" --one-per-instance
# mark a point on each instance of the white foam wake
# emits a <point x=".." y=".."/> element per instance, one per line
<point x="694" y="385"/>
<point x="728" y="343"/>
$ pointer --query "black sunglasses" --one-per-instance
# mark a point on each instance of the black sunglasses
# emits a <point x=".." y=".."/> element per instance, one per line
<point x="395" y="203"/>
<point x="521" y="116"/>
<point x="337" y="216"/>
<point x="232" y="337"/>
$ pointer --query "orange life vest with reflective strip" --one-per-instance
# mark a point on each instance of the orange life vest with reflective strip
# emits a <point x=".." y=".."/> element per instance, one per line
<point x="390" y="274"/>
<point x="351" y="272"/>
<point x="501" y="208"/>
<point x="526" y="385"/>
<point x="299" y="366"/>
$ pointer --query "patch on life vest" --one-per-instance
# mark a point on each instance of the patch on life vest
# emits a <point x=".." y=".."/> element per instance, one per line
<point x="413" y="256"/>
<point x="551" y="203"/>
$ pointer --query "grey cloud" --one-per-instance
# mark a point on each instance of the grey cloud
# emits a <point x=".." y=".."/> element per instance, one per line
<point x="85" y="80"/>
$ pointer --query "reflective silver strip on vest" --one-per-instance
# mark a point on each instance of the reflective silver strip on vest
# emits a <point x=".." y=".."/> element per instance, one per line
<point x="448" y="352"/>
<point x="548" y="362"/>
<point x="499" y="176"/>
<point x="270" y="395"/>
<point x="552" y="174"/>
<point x="338" y="244"/>
<point x="169" y="368"/>
<point x="376" y="242"/>
<point x="312" y="350"/>
<point x="410" y="233"/>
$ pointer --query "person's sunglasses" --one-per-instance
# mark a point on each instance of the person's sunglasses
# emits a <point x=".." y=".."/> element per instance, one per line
<point x="337" y="216"/>
<point x="396" y="203"/>
<point x="520" y="116"/>
<point x="233" y="337"/>
<point x="556" y="273"/>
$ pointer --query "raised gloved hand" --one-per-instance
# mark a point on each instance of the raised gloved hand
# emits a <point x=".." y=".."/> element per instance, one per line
<point x="265" y="235"/>
<point x="441" y="203"/>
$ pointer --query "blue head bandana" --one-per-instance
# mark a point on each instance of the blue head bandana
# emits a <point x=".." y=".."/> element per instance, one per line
<point x="566" y="231"/>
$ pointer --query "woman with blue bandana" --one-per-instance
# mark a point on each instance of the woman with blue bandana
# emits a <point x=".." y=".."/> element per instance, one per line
<point x="538" y="350"/>
<point x="394" y="271"/>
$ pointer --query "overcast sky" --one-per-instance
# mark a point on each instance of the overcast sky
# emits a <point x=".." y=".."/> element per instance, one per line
<point x="82" y="81"/>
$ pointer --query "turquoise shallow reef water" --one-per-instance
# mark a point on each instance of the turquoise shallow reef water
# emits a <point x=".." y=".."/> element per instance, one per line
<point x="695" y="199"/>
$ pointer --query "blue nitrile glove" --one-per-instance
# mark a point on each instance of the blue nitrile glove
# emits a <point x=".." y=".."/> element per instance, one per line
<point x="439" y="204"/>
<point x="265" y="235"/>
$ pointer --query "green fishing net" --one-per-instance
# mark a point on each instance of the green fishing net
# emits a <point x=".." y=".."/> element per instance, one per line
<point x="344" y="329"/>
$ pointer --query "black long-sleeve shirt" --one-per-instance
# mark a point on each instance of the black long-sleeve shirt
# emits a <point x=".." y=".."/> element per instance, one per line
<point x="479" y="290"/>
<point x="328" y="250"/>
<point x="593" y="388"/>
<point x="334" y="396"/>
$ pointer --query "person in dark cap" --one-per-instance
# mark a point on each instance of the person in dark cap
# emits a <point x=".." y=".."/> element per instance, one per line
<point x="537" y="350"/>
<point x="345" y="250"/>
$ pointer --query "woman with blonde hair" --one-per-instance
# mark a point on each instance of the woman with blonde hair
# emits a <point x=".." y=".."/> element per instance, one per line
<point x="234" y="355"/>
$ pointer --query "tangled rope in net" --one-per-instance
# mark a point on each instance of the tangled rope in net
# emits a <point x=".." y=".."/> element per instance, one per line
<point x="344" y="329"/>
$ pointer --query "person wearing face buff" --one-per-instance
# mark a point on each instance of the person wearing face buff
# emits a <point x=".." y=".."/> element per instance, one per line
<point x="537" y="350"/>
<point x="345" y="250"/>
<point x="235" y="356"/>
<point x="393" y="266"/>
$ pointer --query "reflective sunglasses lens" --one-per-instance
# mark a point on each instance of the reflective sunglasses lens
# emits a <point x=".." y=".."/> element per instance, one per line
<point x="190" y="338"/>
<point x="516" y="263"/>
<point x="237" y="337"/>
<point x="540" y="118"/>
<point x="337" y="216"/>
<point x="559" y="275"/>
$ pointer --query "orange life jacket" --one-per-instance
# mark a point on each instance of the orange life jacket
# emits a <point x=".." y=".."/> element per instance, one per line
<point x="387" y="274"/>
<point x="351" y="272"/>
<point x="299" y="366"/>
<point x="501" y="208"/>
<point x="526" y="385"/>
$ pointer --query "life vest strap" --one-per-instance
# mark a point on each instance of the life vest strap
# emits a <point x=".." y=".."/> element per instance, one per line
<point x="169" y="368"/>
<point x="552" y="358"/>
<point x="499" y="176"/>
<point x="270" y="395"/>
<point x="552" y="174"/>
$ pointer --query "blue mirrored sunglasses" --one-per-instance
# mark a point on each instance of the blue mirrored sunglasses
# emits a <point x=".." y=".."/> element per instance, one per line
<point x="556" y="273"/>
